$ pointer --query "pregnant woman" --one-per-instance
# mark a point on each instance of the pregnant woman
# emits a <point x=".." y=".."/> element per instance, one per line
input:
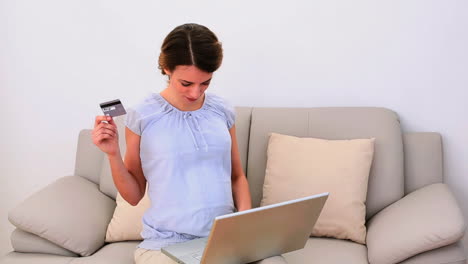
<point x="182" y="143"/>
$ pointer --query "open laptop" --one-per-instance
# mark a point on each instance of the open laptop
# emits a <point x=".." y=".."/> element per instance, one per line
<point x="253" y="234"/>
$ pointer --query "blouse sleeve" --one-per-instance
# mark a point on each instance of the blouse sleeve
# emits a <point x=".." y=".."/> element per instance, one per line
<point x="230" y="113"/>
<point x="133" y="120"/>
<point x="224" y="108"/>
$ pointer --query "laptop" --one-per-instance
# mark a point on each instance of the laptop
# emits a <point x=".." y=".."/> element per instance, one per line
<point x="254" y="234"/>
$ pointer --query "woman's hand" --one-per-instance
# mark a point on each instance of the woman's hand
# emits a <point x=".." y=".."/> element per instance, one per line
<point x="105" y="136"/>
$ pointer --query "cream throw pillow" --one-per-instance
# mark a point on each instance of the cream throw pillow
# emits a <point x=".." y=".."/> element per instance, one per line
<point x="126" y="224"/>
<point x="298" y="167"/>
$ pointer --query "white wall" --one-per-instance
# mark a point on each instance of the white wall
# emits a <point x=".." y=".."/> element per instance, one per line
<point x="60" y="59"/>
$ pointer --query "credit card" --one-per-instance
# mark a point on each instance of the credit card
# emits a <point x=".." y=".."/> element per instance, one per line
<point x="113" y="108"/>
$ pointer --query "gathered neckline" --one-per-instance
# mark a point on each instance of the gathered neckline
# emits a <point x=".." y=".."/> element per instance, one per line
<point x="181" y="111"/>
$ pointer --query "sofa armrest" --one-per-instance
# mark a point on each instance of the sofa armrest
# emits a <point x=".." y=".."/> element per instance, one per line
<point x="425" y="219"/>
<point x="70" y="212"/>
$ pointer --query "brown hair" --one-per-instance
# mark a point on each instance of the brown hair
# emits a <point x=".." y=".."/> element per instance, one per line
<point x="191" y="44"/>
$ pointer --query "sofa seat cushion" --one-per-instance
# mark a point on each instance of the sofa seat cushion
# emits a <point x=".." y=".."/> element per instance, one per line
<point x="328" y="251"/>
<point x="451" y="254"/>
<point x="113" y="253"/>
<point x="33" y="258"/>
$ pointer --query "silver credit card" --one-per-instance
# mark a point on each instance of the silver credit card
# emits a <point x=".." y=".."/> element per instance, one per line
<point x="113" y="108"/>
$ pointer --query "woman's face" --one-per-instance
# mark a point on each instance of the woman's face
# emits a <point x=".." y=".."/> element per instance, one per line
<point x="188" y="83"/>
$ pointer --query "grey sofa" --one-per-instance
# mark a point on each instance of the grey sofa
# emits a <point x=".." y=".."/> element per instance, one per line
<point x="412" y="217"/>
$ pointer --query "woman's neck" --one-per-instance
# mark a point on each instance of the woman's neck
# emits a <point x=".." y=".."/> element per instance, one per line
<point x="183" y="106"/>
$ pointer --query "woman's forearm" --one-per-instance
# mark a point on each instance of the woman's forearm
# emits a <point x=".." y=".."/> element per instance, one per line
<point x="124" y="181"/>
<point x="241" y="193"/>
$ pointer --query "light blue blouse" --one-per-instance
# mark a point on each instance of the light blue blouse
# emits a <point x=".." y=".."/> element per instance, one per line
<point x="186" y="160"/>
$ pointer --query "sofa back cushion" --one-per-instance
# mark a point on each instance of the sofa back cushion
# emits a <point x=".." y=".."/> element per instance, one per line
<point x="423" y="160"/>
<point x="386" y="180"/>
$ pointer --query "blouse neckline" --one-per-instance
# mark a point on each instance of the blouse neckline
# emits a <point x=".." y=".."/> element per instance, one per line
<point x="181" y="111"/>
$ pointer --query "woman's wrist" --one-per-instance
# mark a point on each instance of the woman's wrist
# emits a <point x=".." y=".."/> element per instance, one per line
<point x="243" y="208"/>
<point x="115" y="155"/>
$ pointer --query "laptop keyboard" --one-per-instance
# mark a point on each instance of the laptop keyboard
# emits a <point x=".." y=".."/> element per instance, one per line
<point x="197" y="256"/>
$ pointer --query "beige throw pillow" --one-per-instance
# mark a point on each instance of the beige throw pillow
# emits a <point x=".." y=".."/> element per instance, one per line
<point x="298" y="167"/>
<point x="126" y="224"/>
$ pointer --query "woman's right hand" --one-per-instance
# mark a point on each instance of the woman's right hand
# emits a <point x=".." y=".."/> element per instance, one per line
<point x="105" y="136"/>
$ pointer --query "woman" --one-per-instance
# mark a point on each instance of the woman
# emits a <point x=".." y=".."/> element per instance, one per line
<point x="182" y="143"/>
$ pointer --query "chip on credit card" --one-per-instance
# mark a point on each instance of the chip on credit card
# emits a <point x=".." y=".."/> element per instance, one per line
<point x="113" y="108"/>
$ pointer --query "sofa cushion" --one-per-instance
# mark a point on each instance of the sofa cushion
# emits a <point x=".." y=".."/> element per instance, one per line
<point x="299" y="167"/>
<point x="386" y="180"/>
<point x="451" y="254"/>
<point x="423" y="220"/>
<point x="70" y="212"/>
<point x="26" y="242"/>
<point x="328" y="251"/>
<point x="126" y="223"/>
<point x="113" y="253"/>
<point x="88" y="158"/>
<point x="34" y="258"/>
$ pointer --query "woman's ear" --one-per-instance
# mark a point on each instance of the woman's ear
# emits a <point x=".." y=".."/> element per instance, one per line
<point x="167" y="72"/>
